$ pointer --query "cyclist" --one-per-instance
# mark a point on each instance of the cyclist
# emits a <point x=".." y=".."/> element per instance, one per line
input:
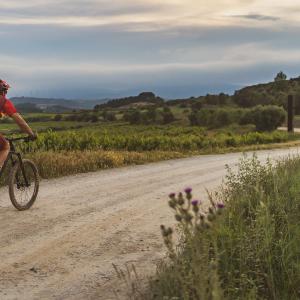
<point x="7" y="108"/>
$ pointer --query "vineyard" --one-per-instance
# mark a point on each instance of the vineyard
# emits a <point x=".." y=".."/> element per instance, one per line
<point x="145" y="138"/>
<point x="60" y="153"/>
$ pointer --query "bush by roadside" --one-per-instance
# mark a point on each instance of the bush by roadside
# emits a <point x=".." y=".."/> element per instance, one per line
<point x="265" y="118"/>
<point x="248" y="250"/>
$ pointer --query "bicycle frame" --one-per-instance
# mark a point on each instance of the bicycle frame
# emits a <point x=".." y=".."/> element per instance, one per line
<point x="14" y="157"/>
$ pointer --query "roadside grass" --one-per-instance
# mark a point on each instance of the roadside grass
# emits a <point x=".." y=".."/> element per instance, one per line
<point x="247" y="250"/>
<point x="53" y="164"/>
<point x="95" y="147"/>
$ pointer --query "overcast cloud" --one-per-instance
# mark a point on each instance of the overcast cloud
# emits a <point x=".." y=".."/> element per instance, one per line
<point x="104" y="48"/>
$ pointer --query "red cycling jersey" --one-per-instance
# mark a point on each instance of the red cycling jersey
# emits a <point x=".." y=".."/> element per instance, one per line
<point x="6" y="106"/>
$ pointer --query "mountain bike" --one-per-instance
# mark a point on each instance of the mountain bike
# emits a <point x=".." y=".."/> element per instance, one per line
<point x="23" y="178"/>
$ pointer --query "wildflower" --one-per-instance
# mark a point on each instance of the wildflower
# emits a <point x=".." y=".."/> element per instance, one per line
<point x="195" y="202"/>
<point x="188" y="190"/>
<point x="220" y="205"/>
<point x="195" y="209"/>
<point x="172" y="195"/>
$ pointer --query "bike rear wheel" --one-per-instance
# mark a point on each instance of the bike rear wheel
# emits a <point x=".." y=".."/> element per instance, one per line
<point x="23" y="195"/>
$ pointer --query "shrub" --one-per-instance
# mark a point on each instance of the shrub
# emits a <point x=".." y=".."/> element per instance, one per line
<point x="247" y="250"/>
<point x="168" y="117"/>
<point x="133" y="117"/>
<point x="216" y="117"/>
<point x="109" y="116"/>
<point x="265" y="118"/>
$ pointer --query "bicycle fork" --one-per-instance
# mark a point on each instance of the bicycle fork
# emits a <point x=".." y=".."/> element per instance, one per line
<point x="22" y="168"/>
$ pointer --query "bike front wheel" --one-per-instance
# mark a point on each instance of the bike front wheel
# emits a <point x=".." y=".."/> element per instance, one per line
<point x="23" y="192"/>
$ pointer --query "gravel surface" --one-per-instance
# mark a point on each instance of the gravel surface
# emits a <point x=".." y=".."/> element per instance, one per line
<point x="64" y="247"/>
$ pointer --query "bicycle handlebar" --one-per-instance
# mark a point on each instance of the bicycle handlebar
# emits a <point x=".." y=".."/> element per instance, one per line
<point x="23" y="138"/>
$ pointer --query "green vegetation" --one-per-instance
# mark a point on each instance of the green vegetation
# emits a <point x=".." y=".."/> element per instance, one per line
<point x="150" y="138"/>
<point x="82" y="147"/>
<point x="147" y="98"/>
<point x="265" y="118"/>
<point x="273" y="93"/>
<point x="9" y="128"/>
<point x="246" y="246"/>
<point x="144" y="123"/>
<point x="54" y="164"/>
<point x="107" y="146"/>
<point x="150" y="116"/>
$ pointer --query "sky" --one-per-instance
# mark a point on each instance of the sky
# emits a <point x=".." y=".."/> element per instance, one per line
<point x="111" y="48"/>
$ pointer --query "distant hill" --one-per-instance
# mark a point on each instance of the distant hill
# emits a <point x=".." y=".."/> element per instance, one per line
<point x="272" y="93"/>
<point x="143" y="99"/>
<point x="275" y="92"/>
<point x="45" y="103"/>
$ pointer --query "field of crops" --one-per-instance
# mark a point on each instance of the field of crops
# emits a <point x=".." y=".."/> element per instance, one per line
<point x="9" y="128"/>
<point x="149" y="138"/>
<point x="68" y="147"/>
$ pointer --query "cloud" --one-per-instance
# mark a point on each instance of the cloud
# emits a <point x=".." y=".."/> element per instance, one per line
<point x="126" y="45"/>
<point x="258" y="17"/>
<point x="142" y="14"/>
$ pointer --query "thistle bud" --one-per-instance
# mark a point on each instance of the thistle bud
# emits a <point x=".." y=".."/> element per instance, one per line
<point x="169" y="231"/>
<point x="188" y="192"/>
<point x="211" y="217"/>
<point x="180" y="201"/>
<point x="172" y="195"/>
<point x="195" y="208"/>
<point x="220" y="205"/>
<point x="211" y="211"/>
<point x="178" y="218"/>
<point x="172" y="204"/>
<point x="188" y="217"/>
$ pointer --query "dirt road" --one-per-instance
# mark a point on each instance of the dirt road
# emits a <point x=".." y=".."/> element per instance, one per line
<point x="64" y="247"/>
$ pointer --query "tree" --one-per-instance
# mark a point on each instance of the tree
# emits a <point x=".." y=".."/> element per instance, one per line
<point x="168" y="117"/>
<point x="134" y="117"/>
<point x="151" y="115"/>
<point x="280" y="77"/>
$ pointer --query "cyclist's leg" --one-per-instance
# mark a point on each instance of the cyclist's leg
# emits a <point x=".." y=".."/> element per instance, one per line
<point x="4" y="150"/>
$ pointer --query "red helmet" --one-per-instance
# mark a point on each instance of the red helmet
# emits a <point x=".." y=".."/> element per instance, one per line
<point x="4" y="86"/>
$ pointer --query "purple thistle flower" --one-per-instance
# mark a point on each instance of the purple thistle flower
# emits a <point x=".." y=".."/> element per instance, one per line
<point x="172" y="195"/>
<point x="188" y="190"/>
<point x="220" y="205"/>
<point x="195" y="202"/>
